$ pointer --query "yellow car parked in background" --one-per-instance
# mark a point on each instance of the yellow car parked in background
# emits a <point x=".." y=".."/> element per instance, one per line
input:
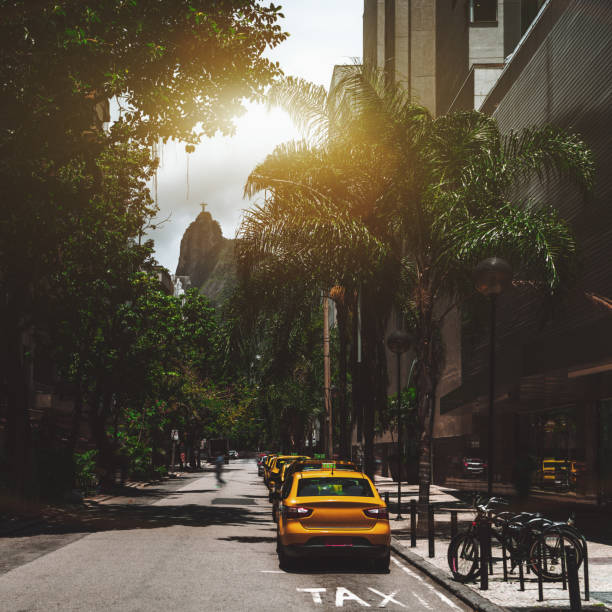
<point x="267" y="463"/>
<point x="560" y="473"/>
<point x="333" y="513"/>
<point x="274" y="474"/>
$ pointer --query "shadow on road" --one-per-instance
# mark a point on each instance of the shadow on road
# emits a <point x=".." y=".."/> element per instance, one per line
<point x="96" y="517"/>
<point x="337" y="565"/>
<point x="249" y="539"/>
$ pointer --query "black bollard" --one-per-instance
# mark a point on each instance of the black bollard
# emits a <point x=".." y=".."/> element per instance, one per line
<point x="504" y="560"/>
<point x="430" y="531"/>
<point x="483" y="542"/>
<point x="490" y="544"/>
<point x="563" y="561"/>
<point x="521" y="576"/>
<point x="413" y="525"/>
<point x="587" y="590"/>
<point x="453" y="523"/>
<point x="387" y="500"/>
<point x="572" y="578"/>
<point x="540" y="581"/>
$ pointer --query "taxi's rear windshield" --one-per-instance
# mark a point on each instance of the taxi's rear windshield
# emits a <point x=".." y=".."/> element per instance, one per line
<point x="335" y="487"/>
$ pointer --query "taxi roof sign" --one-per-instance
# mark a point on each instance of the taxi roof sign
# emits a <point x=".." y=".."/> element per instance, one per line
<point x="328" y="466"/>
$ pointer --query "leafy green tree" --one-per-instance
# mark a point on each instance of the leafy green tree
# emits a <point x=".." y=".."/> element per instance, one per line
<point x="274" y="335"/>
<point x="176" y="69"/>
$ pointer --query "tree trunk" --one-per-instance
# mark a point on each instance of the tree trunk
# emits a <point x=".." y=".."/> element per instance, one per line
<point x="356" y="380"/>
<point x="374" y="371"/>
<point x="18" y="372"/>
<point x="77" y="412"/>
<point x="345" y="427"/>
<point x="426" y="378"/>
<point x="99" y="411"/>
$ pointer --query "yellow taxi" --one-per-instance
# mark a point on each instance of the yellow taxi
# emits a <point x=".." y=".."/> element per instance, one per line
<point x="304" y="465"/>
<point x="267" y="463"/>
<point x="559" y="471"/>
<point x="333" y="513"/>
<point x="274" y="474"/>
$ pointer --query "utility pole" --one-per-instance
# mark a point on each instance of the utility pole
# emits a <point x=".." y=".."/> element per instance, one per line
<point x="329" y="443"/>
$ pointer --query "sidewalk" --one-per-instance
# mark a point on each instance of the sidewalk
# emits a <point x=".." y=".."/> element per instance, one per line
<point x="504" y="594"/>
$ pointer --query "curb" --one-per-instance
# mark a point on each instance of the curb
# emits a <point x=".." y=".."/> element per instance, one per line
<point x="462" y="592"/>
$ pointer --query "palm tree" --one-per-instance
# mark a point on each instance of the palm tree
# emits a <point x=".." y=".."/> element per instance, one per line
<point x="442" y="193"/>
<point x="465" y="204"/>
<point x="311" y="223"/>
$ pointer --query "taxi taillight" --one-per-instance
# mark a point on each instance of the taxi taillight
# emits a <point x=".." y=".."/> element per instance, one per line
<point x="296" y="512"/>
<point x="377" y="513"/>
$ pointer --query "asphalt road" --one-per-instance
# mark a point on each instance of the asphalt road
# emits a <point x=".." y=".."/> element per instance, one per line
<point x="197" y="547"/>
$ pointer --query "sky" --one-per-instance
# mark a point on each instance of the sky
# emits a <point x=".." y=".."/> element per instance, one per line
<point x="322" y="33"/>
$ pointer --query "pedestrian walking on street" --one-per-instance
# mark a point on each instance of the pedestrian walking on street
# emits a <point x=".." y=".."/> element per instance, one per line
<point x="219" y="463"/>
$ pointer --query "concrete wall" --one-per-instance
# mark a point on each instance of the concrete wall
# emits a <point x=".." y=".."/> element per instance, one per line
<point x="403" y="51"/>
<point x="485" y="77"/>
<point x="423" y="51"/>
<point x="452" y="51"/>
<point x="374" y="33"/>
<point x="487" y="40"/>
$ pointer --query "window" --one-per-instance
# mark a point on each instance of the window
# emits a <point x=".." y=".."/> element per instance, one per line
<point x="334" y="487"/>
<point x="483" y="10"/>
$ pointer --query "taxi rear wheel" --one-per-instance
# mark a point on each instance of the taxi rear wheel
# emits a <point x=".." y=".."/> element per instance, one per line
<point x="382" y="564"/>
<point x="284" y="561"/>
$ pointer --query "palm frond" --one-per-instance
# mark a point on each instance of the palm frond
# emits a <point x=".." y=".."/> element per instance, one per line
<point x="306" y="104"/>
<point x="548" y="151"/>
<point x="538" y="243"/>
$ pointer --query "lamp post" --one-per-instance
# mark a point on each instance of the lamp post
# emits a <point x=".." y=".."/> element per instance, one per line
<point x="398" y="342"/>
<point x="491" y="277"/>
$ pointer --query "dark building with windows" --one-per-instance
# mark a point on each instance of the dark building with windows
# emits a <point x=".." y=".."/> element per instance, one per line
<point x="554" y="383"/>
<point x="525" y="62"/>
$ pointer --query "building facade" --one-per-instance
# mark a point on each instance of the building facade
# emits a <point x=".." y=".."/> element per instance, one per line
<point x="554" y="383"/>
<point x="526" y="63"/>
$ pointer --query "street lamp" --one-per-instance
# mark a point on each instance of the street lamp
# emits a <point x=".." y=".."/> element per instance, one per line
<point x="398" y="342"/>
<point x="492" y="276"/>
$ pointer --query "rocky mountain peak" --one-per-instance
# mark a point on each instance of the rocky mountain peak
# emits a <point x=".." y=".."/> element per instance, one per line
<point x="207" y="257"/>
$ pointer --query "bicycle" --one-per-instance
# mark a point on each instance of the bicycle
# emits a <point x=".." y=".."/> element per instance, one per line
<point x="525" y="536"/>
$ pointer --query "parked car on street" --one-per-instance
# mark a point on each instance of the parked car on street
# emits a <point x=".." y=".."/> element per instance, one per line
<point x="274" y="473"/>
<point x="473" y="466"/>
<point x="304" y="465"/>
<point x="233" y="454"/>
<point x="337" y="514"/>
<point x="261" y="464"/>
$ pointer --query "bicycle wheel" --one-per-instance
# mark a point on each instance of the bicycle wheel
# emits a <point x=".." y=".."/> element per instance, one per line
<point x="463" y="556"/>
<point x="552" y="562"/>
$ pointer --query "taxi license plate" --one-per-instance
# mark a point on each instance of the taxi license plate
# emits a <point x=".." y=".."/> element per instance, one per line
<point x="338" y="542"/>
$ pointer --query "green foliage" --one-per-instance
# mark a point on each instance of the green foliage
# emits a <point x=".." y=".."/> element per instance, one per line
<point x="172" y="65"/>
<point x="75" y="202"/>
<point x="85" y="470"/>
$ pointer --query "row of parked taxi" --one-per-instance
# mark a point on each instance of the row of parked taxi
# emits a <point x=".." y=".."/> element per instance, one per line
<point x="325" y="507"/>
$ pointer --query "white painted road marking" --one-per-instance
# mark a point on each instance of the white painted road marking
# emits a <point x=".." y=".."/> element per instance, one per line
<point x="272" y="571"/>
<point x="444" y="598"/>
<point x="316" y="594"/>
<point x="386" y="598"/>
<point x="343" y="595"/>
